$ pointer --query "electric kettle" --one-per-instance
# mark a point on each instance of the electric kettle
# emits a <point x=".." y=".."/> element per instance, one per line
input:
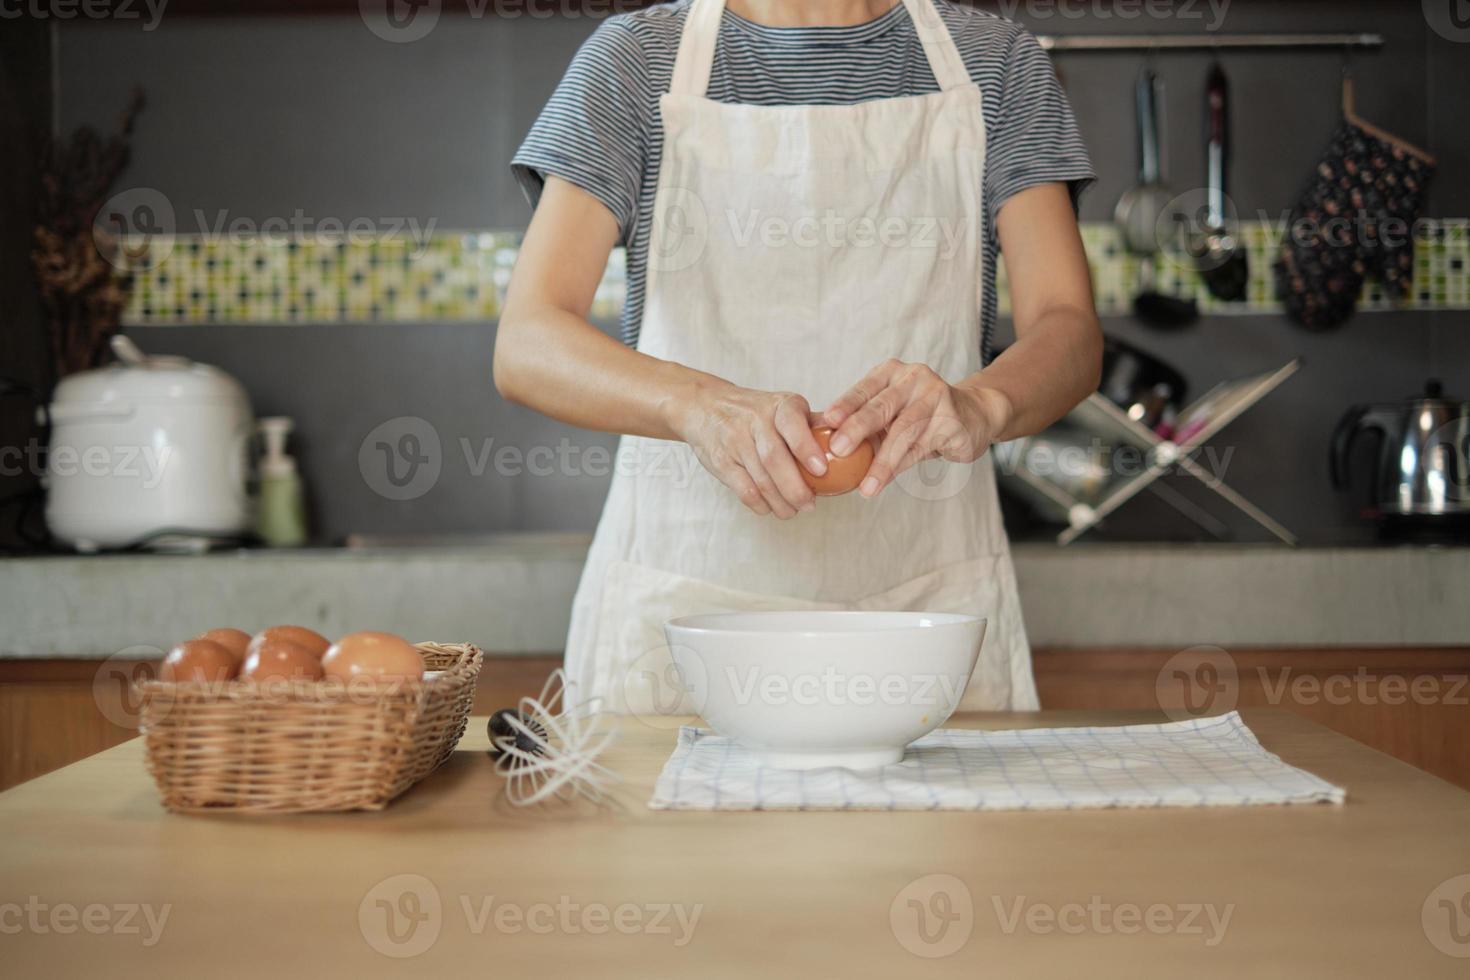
<point x="1421" y="470"/>
<point x="150" y="451"/>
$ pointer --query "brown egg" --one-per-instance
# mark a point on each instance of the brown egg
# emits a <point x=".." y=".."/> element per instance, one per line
<point x="280" y="660"/>
<point x="844" y="473"/>
<point x="309" y="640"/>
<point x="198" y="660"/>
<point x="379" y="656"/>
<point x="233" y="640"/>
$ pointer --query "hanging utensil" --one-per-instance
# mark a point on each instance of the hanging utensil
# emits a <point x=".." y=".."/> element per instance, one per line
<point x="1138" y="210"/>
<point x="1217" y="252"/>
<point x="1142" y="205"/>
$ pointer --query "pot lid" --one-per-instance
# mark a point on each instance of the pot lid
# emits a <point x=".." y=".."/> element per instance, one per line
<point x="154" y="379"/>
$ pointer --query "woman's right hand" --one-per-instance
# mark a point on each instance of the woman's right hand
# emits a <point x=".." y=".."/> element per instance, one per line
<point x="751" y="441"/>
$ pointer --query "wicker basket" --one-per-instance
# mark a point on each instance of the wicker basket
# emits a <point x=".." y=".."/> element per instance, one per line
<point x="303" y="746"/>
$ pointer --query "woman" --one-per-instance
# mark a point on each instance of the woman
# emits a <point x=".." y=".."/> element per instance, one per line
<point x="812" y="195"/>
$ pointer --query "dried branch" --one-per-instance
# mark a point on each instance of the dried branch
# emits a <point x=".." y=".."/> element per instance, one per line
<point x="82" y="291"/>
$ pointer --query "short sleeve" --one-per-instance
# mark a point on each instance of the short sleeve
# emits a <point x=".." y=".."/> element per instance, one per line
<point x="594" y="131"/>
<point x="1035" y="138"/>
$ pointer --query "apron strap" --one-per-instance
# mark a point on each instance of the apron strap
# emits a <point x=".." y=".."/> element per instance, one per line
<point x="939" y="47"/>
<point x="697" y="48"/>
<point x="702" y="29"/>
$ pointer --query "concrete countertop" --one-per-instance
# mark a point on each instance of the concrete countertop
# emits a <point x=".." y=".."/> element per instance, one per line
<point x="512" y="595"/>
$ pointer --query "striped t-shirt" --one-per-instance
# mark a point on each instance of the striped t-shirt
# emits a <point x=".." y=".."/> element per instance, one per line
<point x="602" y="132"/>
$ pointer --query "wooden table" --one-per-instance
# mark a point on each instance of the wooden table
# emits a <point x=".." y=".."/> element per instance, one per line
<point x="492" y="892"/>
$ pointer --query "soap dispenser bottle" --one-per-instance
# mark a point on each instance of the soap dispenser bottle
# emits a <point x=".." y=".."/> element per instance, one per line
<point x="281" y="513"/>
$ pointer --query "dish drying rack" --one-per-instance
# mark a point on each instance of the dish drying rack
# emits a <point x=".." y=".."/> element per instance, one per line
<point x="1101" y="417"/>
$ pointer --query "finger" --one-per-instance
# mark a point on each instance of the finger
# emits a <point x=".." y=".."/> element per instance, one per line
<point x="793" y="422"/>
<point x="767" y="486"/>
<point x="872" y="418"/>
<point x="902" y="447"/>
<point x="859" y="394"/>
<point x="776" y="457"/>
<point x="744" y="487"/>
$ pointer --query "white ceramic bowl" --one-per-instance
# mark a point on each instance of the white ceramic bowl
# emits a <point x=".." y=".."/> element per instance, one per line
<point x="806" y="690"/>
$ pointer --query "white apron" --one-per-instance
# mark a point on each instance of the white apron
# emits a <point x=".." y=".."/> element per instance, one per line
<point x="795" y="248"/>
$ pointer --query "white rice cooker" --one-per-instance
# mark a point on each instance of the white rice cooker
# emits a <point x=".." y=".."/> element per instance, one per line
<point x="150" y="451"/>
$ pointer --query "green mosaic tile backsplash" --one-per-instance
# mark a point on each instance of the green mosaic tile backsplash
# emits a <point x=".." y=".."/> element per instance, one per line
<point x="463" y="275"/>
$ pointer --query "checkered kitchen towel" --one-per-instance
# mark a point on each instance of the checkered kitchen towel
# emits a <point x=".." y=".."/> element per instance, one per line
<point x="1202" y="762"/>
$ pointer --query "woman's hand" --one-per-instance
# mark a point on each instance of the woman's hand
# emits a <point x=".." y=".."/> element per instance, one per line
<point x="920" y="416"/>
<point x="751" y="441"/>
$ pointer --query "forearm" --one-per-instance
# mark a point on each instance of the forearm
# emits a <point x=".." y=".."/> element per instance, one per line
<point x="557" y="363"/>
<point x="1057" y="357"/>
<point x="550" y="358"/>
<point x="1051" y="367"/>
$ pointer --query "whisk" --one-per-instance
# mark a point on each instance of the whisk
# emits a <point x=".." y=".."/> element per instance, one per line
<point x="546" y="748"/>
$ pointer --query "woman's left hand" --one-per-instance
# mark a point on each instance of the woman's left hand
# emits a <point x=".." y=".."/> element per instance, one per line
<point x="920" y="416"/>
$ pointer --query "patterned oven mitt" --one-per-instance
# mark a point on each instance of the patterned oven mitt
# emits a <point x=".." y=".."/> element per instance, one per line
<point x="1354" y="219"/>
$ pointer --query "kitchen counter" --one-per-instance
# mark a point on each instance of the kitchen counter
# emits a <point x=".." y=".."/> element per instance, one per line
<point x="449" y="881"/>
<point x="512" y="594"/>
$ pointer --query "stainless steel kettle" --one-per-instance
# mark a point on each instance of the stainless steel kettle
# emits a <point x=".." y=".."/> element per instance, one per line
<point x="1422" y="468"/>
